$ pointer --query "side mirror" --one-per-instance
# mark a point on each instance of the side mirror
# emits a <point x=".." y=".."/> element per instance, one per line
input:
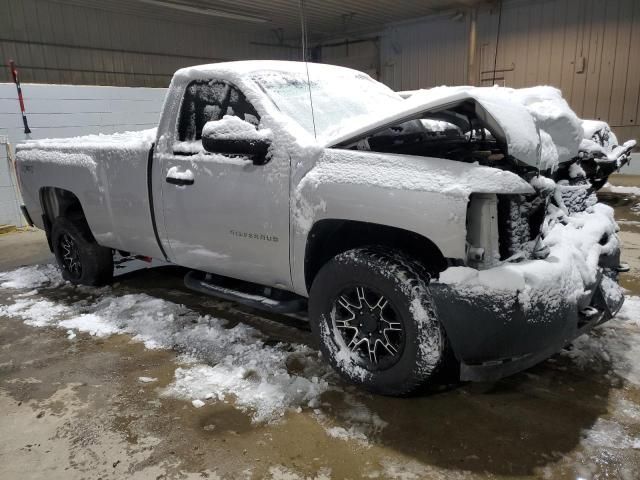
<point x="233" y="136"/>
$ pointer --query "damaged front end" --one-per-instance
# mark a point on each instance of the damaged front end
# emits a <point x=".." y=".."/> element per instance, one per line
<point x="599" y="155"/>
<point x="540" y="268"/>
<point x="541" y="271"/>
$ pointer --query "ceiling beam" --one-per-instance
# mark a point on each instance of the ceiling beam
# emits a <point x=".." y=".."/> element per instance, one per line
<point x="205" y="11"/>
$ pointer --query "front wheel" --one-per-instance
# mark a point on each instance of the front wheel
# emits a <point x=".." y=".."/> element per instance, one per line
<point x="80" y="258"/>
<point x="373" y="315"/>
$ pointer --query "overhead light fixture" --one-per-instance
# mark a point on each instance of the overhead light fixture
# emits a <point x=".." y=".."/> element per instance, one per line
<point x="205" y="11"/>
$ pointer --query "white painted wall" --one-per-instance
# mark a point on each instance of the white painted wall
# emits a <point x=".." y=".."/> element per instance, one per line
<point x="68" y="111"/>
<point x="634" y="166"/>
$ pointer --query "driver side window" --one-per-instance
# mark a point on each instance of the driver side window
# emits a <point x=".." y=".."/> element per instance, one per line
<point x="206" y="101"/>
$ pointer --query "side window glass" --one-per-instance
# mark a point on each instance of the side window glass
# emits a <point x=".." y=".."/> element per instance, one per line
<point x="207" y="101"/>
<point x="241" y="108"/>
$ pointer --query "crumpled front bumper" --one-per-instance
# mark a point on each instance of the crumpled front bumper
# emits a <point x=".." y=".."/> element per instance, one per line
<point x="494" y="335"/>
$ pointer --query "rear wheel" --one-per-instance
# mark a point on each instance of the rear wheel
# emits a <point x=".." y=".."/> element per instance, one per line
<point x="80" y="258"/>
<point x="372" y="313"/>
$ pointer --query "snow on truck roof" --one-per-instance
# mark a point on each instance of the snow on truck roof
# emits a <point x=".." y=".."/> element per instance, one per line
<point x="244" y="67"/>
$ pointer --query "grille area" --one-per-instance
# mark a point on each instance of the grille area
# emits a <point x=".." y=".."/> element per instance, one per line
<point x="519" y="220"/>
<point x="577" y="197"/>
<point x="520" y="217"/>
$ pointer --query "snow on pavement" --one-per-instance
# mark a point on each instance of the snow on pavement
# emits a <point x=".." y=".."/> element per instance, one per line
<point x="31" y="277"/>
<point x="217" y="363"/>
<point x="614" y="348"/>
<point x="621" y="189"/>
<point x="237" y="362"/>
<point x="223" y="363"/>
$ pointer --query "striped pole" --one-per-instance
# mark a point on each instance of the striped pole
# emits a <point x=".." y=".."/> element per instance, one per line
<point x="16" y="80"/>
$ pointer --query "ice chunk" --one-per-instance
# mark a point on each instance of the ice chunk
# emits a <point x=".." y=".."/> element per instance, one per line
<point x="147" y="379"/>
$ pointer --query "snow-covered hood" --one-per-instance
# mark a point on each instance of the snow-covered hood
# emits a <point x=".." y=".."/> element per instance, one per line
<point x="536" y="124"/>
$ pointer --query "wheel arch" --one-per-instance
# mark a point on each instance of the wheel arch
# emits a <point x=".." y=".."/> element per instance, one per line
<point x="329" y="237"/>
<point x="59" y="202"/>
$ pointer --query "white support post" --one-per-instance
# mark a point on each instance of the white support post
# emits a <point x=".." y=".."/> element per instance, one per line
<point x="473" y="33"/>
<point x="13" y="178"/>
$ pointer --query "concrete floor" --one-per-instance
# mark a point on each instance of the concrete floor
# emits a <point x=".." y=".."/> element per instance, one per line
<point x="77" y="410"/>
<point x="26" y="246"/>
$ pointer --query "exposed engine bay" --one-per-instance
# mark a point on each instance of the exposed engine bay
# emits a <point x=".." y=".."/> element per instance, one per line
<point x="530" y="132"/>
<point x="463" y="133"/>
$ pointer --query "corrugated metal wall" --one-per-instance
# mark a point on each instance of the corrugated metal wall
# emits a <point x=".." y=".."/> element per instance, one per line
<point x="363" y="55"/>
<point x="587" y="48"/>
<point x="426" y="54"/>
<point x="70" y="44"/>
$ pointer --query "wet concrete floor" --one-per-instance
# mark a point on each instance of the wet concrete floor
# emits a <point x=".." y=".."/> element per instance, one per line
<point x="77" y="409"/>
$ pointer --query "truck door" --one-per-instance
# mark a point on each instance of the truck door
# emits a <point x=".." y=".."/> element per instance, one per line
<point x="222" y="213"/>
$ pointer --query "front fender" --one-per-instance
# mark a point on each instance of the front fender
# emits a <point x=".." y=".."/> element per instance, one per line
<point x="428" y="196"/>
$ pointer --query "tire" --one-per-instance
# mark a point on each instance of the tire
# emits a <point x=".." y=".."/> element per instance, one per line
<point x="81" y="260"/>
<point x="381" y="276"/>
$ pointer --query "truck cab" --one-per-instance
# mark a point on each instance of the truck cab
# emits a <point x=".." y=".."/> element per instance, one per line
<point x="222" y="211"/>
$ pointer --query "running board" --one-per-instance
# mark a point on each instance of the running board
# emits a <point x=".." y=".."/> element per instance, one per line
<point x="212" y="285"/>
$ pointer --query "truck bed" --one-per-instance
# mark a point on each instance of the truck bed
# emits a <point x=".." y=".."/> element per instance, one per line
<point x="108" y="174"/>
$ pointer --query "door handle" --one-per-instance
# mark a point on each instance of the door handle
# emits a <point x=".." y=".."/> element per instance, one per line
<point x="175" y="177"/>
<point x="179" y="181"/>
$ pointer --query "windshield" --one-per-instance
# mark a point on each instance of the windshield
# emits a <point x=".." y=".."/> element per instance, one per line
<point x="341" y="97"/>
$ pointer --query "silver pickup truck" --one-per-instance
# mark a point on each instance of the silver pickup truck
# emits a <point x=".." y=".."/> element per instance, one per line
<point x="455" y="227"/>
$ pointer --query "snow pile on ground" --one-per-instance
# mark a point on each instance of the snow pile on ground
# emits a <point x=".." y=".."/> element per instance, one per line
<point x="625" y="190"/>
<point x="410" y="469"/>
<point x="630" y="312"/>
<point x="280" y="472"/>
<point x="353" y="420"/>
<point x="607" y="434"/>
<point x="255" y="375"/>
<point x="218" y="362"/>
<point x="31" y="277"/>
<point x="614" y="350"/>
<point x="37" y="313"/>
<point x="238" y="362"/>
<point x="147" y="379"/>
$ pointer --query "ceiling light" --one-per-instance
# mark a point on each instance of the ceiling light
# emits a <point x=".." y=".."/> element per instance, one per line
<point x="205" y="11"/>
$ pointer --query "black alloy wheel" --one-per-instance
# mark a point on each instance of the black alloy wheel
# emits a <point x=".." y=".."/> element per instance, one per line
<point x="369" y="325"/>
<point x="70" y="256"/>
<point x="79" y="256"/>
